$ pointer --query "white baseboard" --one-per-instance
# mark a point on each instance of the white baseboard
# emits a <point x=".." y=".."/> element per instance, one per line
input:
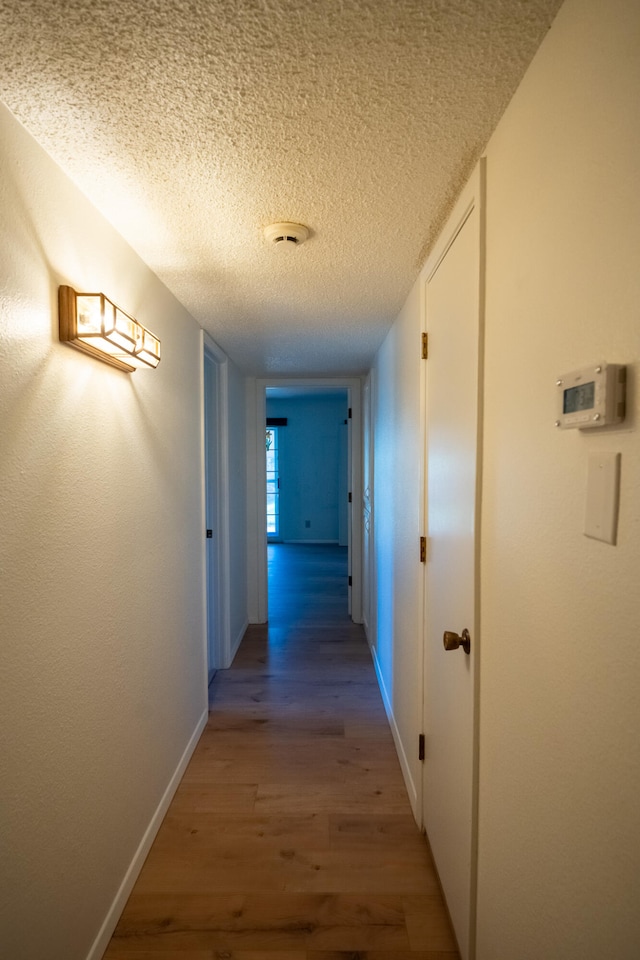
<point x="238" y="640"/>
<point x="106" y="931"/>
<point x="402" y="756"/>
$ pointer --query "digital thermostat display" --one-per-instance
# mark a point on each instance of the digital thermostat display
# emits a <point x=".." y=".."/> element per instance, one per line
<point x="579" y="398"/>
<point x="591" y="397"/>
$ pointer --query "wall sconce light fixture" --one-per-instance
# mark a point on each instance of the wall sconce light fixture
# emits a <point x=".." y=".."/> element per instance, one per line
<point x="92" y="323"/>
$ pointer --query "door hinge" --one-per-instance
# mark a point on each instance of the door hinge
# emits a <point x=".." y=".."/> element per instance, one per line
<point x="350" y="581"/>
<point x="349" y="413"/>
<point x="423" y="549"/>
<point x="425" y="346"/>
<point x="209" y="534"/>
<point x="421" y="747"/>
<point x="350" y="497"/>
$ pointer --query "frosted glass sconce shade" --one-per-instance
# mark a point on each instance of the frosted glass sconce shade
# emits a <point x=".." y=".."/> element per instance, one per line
<point x="92" y="323"/>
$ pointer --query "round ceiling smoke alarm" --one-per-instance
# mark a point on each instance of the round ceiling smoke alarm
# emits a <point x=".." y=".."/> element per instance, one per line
<point x="286" y="234"/>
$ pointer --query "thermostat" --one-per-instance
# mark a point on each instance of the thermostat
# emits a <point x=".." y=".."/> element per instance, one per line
<point x="591" y="397"/>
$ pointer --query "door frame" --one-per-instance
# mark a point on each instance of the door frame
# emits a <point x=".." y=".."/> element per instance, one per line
<point x="221" y="646"/>
<point x="473" y="196"/>
<point x="353" y="386"/>
<point x="369" y="581"/>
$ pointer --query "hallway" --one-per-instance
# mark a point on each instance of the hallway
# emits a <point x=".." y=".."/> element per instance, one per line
<point x="291" y="835"/>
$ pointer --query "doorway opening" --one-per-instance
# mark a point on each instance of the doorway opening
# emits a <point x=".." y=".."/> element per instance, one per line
<point x="307" y="495"/>
<point x="311" y="483"/>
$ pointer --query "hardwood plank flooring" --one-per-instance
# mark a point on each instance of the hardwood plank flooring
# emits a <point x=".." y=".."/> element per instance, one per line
<point x="291" y="836"/>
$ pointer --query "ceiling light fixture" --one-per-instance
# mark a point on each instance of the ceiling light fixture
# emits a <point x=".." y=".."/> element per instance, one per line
<point x="287" y="234"/>
<point x="92" y="323"/>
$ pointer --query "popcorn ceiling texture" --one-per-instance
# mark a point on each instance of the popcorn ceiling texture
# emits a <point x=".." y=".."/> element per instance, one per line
<point x="192" y="124"/>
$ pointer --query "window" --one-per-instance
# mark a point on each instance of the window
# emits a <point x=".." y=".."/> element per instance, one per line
<point x="273" y="483"/>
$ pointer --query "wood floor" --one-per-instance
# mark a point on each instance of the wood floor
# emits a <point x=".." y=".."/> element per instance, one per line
<point x="291" y="836"/>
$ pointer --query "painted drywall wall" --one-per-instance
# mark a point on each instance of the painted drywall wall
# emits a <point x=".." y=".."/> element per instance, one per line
<point x="313" y="475"/>
<point x="559" y="832"/>
<point x="237" y="439"/>
<point x="397" y="574"/>
<point x="256" y="544"/>
<point x="559" y="836"/>
<point x="102" y="659"/>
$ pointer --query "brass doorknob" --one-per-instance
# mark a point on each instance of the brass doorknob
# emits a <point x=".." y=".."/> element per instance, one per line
<point x="452" y="641"/>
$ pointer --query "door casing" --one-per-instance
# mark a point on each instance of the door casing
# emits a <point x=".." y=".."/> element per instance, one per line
<point x="215" y="509"/>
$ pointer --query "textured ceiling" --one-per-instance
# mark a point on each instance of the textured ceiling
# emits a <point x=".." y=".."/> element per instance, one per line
<point x="192" y="124"/>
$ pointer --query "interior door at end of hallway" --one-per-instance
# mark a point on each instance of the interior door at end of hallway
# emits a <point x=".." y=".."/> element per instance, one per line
<point x="453" y="318"/>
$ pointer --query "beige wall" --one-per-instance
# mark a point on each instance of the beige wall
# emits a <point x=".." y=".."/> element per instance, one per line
<point x="102" y="671"/>
<point x="237" y="411"/>
<point x="398" y="574"/>
<point x="559" y="832"/>
<point x="559" y="862"/>
<point x="102" y="651"/>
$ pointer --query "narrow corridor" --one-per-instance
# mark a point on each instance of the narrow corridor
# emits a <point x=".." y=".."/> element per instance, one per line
<point x="291" y="835"/>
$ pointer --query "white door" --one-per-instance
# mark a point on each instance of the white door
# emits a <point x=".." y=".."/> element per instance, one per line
<point x="347" y="492"/>
<point x="212" y="497"/>
<point x="453" y="309"/>
<point x="343" y="486"/>
<point x="368" y="591"/>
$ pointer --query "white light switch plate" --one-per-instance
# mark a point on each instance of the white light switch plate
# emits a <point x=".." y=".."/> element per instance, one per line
<point x="603" y="489"/>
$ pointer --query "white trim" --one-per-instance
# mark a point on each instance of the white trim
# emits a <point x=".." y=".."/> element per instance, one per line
<point x="236" y="641"/>
<point x="203" y="525"/>
<point x="369" y="613"/>
<point x="211" y="349"/>
<point x="101" y="942"/>
<point x="412" y="790"/>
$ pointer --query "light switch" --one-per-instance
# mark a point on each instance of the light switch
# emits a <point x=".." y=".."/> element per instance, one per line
<point x="603" y="490"/>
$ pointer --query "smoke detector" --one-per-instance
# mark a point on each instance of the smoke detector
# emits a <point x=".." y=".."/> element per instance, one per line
<point x="286" y="234"/>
